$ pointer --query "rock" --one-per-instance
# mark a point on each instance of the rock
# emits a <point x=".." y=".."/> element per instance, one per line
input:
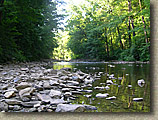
<point x="141" y="83"/>
<point x="65" y="89"/>
<point x="88" y="81"/>
<point x="26" y="92"/>
<point x="3" y="106"/>
<point x="99" y="88"/>
<point x="4" y="87"/>
<point x="73" y="83"/>
<point x="53" y="83"/>
<point x="109" y="82"/>
<point x="64" y="78"/>
<point x="107" y="87"/>
<point x="12" y="101"/>
<point x="9" y="94"/>
<point x="68" y="94"/>
<point x="87" y="91"/>
<point x="111" y="98"/>
<point x="99" y="95"/>
<point x="23" y="85"/>
<point x="24" y="69"/>
<point x="129" y="86"/>
<point x="70" y="108"/>
<point x="44" y="98"/>
<point x="55" y="94"/>
<point x="16" y="107"/>
<point x="32" y="110"/>
<point x="46" y="84"/>
<point x="88" y="96"/>
<point x="138" y="99"/>
<point x="31" y="103"/>
<point x="57" y="101"/>
<point x="89" y="107"/>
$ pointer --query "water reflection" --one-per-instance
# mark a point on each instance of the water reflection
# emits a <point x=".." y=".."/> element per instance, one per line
<point x="121" y="81"/>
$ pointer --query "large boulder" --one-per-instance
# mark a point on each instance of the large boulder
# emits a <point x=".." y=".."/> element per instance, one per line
<point x="70" y="108"/>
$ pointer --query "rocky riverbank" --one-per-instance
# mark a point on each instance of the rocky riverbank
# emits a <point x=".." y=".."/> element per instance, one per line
<point x="31" y="87"/>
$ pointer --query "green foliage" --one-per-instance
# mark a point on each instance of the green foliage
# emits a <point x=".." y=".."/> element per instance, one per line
<point x="110" y="30"/>
<point x="27" y="30"/>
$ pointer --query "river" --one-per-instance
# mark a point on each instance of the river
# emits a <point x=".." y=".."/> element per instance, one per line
<point x="125" y="86"/>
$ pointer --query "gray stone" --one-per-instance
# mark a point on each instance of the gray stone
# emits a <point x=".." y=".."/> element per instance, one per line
<point x="23" y="85"/>
<point x="9" y="94"/>
<point x="12" y="101"/>
<point x="31" y="103"/>
<point x="100" y="95"/>
<point x="44" y="98"/>
<point x="111" y="98"/>
<point x="46" y="84"/>
<point x="89" y="107"/>
<point x="3" y="106"/>
<point x="138" y="99"/>
<point x="57" y="101"/>
<point x="70" y="108"/>
<point x="55" y="94"/>
<point x="26" y="92"/>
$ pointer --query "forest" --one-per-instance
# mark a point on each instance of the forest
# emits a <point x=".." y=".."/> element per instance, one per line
<point x="101" y="30"/>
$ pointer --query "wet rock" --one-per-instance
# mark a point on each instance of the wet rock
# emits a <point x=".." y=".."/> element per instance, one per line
<point x="100" y="95"/>
<point x="87" y="91"/>
<point x="109" y="82"/>
<point x="141" y="83"/>
<point x="107" y="87"/>
<point x="55" y="94"/>
<point x="89" y="107"/>
<point x="9" y="94"/>
<point x="88" y="96"/>
<point x="23" y="85"/>
<point x="99" y="88"/>
<point x="138" y="99"/>
<point x="70" y="108"/>
<point x="3" y="106"/>
<point x="111" y="98"/>
<point x="88" y="81"/>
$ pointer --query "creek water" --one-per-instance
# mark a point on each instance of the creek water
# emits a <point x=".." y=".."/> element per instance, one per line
<point x="125" y="86"/>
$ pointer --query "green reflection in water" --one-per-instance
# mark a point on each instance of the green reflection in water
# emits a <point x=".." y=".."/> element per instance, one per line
<point x="124" y="93"/>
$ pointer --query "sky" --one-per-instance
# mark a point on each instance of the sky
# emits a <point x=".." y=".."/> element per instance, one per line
<point x="76" y="2"/>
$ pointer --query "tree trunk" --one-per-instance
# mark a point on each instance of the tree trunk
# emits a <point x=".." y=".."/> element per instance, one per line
<point x="107" y="46"/>
<point x="129" y="22"/>
<point x="145" y="33"/>
<point x="121" y="44"/>
<point x="112" y="46"/>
